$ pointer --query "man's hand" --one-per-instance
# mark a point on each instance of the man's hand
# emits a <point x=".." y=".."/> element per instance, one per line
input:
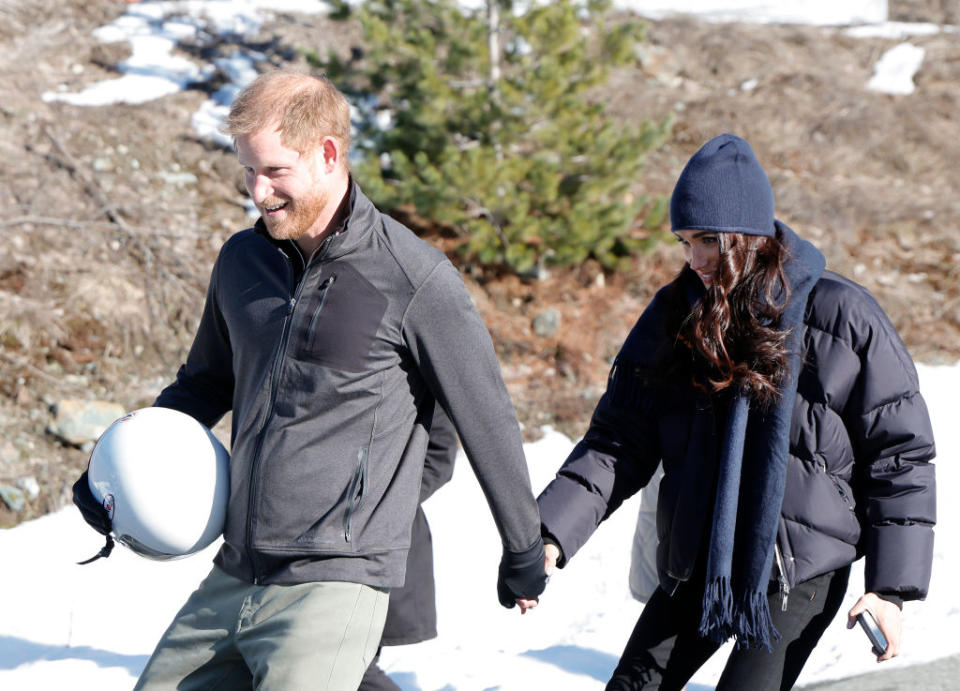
<point x="887" y="615"/>
<point x="551" y="556"/>
<point x="521" y="577"/>
<point x="92" y="510"/>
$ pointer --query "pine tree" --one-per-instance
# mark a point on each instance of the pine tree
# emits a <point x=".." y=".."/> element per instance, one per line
<point x="486" y="122"/>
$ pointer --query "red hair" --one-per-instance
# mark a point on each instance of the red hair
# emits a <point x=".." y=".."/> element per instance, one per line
<point x="303" y="107"/>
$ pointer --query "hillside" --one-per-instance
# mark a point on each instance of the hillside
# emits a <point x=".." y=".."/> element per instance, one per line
<point x="113" y="214"/>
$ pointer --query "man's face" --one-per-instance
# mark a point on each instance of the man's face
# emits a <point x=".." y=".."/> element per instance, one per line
<point x="288" y="188"/>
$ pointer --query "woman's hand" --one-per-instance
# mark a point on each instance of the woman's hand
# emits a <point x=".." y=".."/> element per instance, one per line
<point x="887" y="616"/>
<point x="551" y="555"/>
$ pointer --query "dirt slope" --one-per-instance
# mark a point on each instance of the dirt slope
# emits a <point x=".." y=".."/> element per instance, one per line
<point x="113" y="215"/>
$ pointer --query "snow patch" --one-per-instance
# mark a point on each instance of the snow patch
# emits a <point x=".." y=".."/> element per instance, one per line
<point x="894" y="30"/>
<point x="815" y="12"/>
<point x="894" y="71"/>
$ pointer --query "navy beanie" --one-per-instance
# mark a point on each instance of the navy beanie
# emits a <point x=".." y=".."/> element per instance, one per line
<point x="723" y="189"/>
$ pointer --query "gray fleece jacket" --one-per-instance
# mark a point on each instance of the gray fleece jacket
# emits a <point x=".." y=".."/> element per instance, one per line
<point x="331" y="367"/>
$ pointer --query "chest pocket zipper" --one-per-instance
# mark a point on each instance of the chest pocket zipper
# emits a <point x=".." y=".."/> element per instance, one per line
<point x="324" y="289"/>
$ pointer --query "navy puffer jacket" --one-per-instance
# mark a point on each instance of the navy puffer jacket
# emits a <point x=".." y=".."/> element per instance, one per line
<point x="859" y="481"/>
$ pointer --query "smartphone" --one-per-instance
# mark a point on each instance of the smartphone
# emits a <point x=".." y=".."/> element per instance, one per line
<point x="869" y="625"/>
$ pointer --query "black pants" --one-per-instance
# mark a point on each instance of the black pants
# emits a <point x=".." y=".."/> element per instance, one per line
<point x="664" y="650"/>
<point x="375" y="679"/>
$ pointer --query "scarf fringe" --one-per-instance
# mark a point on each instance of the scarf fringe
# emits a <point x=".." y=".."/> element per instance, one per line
<point x="753" y="624"/>
<point x="748" y="620"/>
<point x="715" y="622"/>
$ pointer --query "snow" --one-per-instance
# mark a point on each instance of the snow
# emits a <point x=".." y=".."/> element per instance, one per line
<point x="240" y="71"/>
<point x="895" y="30"/>
<point x="153" y="29"/>
<point x="816" y="12"/>
<point x="153" y="70"/>
<point x="93" y="627"/>
<point x="894" y="71"/>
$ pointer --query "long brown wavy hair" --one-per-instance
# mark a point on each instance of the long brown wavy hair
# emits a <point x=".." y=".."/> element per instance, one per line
<point x="732" y="335"/>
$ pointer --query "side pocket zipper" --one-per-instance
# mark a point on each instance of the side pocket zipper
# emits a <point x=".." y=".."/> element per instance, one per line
<point x="358" y="487"/>
<point x="782" y="577"/>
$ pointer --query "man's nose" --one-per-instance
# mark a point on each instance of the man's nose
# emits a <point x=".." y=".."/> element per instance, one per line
<point x="260" y="188"/>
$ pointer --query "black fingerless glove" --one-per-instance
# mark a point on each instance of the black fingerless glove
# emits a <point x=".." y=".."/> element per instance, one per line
<point x="94" y="513"/>
<point x="521" y="575"/>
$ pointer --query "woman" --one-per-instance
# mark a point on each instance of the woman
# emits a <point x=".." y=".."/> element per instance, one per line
<point x="412" y="611"/>
<point x="786" y="413"/>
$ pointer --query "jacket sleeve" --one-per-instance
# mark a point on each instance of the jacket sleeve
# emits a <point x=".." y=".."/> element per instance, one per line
<point x="454" y="354"/>
<point x="894" y="480"/>
<point x="203" y="387"/>
<point x="617" y="456"/>
<point x="441" y="454"/>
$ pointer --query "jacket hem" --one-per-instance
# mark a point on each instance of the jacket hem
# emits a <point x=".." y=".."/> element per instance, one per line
<point x="383" y="570"/>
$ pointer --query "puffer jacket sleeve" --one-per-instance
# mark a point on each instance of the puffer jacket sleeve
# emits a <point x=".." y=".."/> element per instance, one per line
<point x="616" y="458"/>
<point x="894" y="480"/>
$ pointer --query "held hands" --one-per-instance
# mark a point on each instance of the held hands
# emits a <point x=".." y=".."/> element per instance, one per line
<point x="887" y="616"/>
<point x="551" y="556"/>
<point x="521" y="577"/>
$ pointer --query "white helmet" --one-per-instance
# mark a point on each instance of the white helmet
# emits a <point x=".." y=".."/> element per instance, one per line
<point x="164" y="479"/>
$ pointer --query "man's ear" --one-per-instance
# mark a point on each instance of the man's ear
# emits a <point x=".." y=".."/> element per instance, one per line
<point x="330" y="151"/>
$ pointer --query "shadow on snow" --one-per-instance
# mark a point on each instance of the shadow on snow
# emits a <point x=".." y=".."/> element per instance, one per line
<point x="577" y="660"/>
<point x="19" y="651"/>
<point x="592" y="663"/>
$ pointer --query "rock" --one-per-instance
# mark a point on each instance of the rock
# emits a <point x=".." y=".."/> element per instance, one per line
<point x="547" y="323"/>
<point x="13" y="498"/>
<point x="82" y="422"/>
<point x="8" y="453"/>
<point x="29" y="485"/>
<point x="177" y="179"/>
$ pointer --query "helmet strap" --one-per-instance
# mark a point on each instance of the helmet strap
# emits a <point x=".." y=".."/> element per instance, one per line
<point x="104" y="552"/>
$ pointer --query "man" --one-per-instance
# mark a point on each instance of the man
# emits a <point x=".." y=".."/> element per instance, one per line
<point x="330" y="331"/>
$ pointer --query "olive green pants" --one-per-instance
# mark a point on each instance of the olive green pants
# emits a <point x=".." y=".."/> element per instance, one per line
<point x="234" y="635"/>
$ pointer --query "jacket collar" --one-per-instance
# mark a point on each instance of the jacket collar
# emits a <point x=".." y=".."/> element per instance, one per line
<point x="356" y="222"/>
<point x="804" y="265"/>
